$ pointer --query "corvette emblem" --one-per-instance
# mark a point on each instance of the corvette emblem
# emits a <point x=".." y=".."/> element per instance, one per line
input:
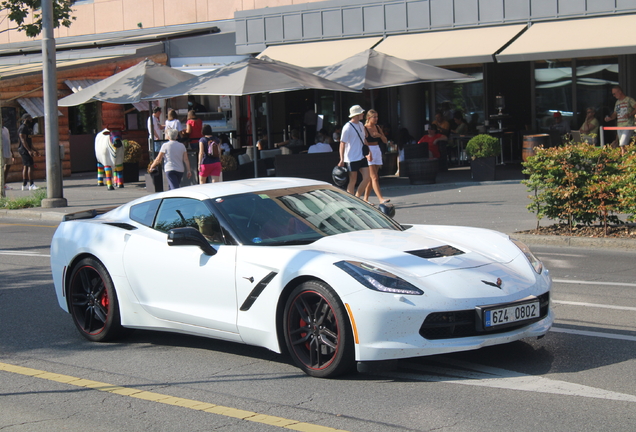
<point x="495" y="284"/>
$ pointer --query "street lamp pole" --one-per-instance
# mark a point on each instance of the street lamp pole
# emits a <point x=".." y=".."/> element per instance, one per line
<point x="54" y="193"/>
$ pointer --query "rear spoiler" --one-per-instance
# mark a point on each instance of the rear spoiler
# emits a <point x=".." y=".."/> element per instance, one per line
<point x="87" y="214"/>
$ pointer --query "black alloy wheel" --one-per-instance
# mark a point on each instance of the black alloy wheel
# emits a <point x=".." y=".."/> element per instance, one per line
<point x="93" y="301"/>
<point x="317" y="331"/>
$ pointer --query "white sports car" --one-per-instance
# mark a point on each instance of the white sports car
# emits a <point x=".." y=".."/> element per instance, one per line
<point x="299" y="266"/>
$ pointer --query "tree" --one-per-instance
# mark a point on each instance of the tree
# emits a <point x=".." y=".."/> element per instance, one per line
<point x="19" y="11"/>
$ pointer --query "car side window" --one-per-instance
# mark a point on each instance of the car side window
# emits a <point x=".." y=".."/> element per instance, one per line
<point x="188" y="212"/>
<point x="145" y="212"/>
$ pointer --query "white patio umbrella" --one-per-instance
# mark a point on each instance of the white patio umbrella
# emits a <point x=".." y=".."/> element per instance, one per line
<point x="128" y="86"/>
<point x="371" y="69"/>
<point x="249" y="77"/>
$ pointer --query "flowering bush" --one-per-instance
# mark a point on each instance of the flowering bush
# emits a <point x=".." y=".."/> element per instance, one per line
<point x="228" y="163"/>
<point x="581" y="184"/>
<point x="132" y="151"/>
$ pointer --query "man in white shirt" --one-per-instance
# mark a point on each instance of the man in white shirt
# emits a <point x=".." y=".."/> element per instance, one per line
<point x="156" y="115"/>
<point x="352" y="143"/>
<point x="320" y="146"/>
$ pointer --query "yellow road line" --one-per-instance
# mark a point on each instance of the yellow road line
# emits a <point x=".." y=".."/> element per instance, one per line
<point x="169" y="400"/>
<point x="29" y="225"/>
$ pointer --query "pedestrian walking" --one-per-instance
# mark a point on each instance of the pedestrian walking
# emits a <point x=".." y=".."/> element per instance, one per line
<point x="375" y="137"/>
<point x="624" y="111"/>
<point x="352" y="145"/>
<point x="176" y="160"/>
<point x="27" y="152"/>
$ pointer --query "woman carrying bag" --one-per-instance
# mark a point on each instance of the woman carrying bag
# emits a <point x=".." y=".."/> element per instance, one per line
<point x="209" y="157"/>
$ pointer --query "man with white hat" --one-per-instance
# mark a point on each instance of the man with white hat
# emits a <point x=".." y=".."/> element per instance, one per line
<point x="352" y="153"/>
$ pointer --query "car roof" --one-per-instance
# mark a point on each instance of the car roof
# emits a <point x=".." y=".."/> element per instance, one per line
<point x="220" y="189"/>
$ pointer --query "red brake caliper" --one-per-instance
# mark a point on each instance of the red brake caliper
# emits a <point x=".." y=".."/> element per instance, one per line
<point x="104" y="301"/>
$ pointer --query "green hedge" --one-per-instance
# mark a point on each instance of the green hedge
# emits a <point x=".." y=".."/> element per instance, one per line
<point x="581" y="184"/>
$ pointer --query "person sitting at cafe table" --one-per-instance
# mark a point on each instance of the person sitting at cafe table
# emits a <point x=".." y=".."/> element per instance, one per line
<point x="590" y="127"/>
<point x="442" y="125"/>
<point x="560" y="125"/>
<point x="321" y="145"/>
<point x="293" y="142"/>
<point x="432" y="138"/>
<point x="461" y="127"/>
<point x="262" y="143"/>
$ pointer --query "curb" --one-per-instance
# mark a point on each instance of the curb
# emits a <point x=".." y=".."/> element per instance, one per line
<point x="581" y="242"/>
<point x="457" y="184"/>
<point x="33" y="213"/>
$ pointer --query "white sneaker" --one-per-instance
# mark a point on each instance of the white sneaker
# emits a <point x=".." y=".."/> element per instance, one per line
<point x="25" y="187"/>
<point x="7" y="187"/>
<point x="33" y="187"/>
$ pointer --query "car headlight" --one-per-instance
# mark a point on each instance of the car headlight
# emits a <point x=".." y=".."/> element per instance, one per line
<point x="377" y="279"/>
<point x="536" y="264"/>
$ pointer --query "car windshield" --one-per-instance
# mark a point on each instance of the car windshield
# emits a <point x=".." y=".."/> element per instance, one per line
<point x="298" y="215"/>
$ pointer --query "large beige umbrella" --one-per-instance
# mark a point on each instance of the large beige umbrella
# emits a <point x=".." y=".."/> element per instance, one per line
<point x="250" y="76"/>
<point x="128" y="86"/>
<point x="371" y="69"/>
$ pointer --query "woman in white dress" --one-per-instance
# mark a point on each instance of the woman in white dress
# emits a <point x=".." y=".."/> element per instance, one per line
<point x="374" y="135"/>
<point x="173" y="123"/>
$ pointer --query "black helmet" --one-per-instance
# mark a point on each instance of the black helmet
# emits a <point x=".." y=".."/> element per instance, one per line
<point x="387" y="209"/>
<point x="340" y="176"/>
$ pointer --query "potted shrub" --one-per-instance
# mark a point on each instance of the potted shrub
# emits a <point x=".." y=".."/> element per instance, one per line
<point x="132" y="157"/>
<point x="229" y="168"/>
<point x="483" y="150"/>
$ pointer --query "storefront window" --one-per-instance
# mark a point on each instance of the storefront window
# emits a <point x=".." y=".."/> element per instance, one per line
<point x="135" y="120"/>
<point x="465" y="95"/>
<point x="553" y="92"/>
<point x="594" y="81"/>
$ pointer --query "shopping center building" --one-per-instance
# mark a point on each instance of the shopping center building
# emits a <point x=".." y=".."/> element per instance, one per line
<point x="542" y="56"/>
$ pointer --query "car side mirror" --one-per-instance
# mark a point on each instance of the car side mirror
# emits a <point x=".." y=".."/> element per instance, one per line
<point x="189" y="236"/>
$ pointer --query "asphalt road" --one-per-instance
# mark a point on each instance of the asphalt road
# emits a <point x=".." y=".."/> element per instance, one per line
<point x="581" y="376"/>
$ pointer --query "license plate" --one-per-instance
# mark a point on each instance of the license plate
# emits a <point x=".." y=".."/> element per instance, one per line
<point x="497" y="316"/>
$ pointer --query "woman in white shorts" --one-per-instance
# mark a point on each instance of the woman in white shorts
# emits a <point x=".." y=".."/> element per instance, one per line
<point x="374" y="135"/>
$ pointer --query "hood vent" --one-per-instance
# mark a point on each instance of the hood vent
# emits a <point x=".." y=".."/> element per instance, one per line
<point x="438" y="252"/>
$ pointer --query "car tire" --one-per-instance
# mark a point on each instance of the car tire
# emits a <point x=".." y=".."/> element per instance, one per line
<point x="93" y="301"/>
<point x="317" y="331"/>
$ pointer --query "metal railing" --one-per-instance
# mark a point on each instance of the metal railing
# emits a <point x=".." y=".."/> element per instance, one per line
<point x="616" y="128"/>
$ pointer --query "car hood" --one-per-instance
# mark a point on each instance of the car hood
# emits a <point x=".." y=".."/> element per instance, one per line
<point x="423" y="250"/>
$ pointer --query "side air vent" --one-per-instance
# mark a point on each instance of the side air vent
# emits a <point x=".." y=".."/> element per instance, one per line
<point x="258" y="289"/>
<point x="122" y="225"/>
<point x="438" y="252"/>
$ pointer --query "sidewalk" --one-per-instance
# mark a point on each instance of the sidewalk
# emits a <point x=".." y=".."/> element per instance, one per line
<point x="82" y="193"/>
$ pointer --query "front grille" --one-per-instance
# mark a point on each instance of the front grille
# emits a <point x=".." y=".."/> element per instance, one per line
<point x="464" y="323"/>
<point x="438" y="252"/>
